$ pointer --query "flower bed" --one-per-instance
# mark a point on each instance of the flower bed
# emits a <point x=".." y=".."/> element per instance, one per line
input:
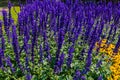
<point x="60" y="41"/>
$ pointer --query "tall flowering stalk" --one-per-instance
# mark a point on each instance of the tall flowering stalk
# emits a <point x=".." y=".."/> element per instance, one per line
<point x="28" y="75"/>
<point x="100" y="78"/>
<point x="41" y="54"/>
<point x="117" y="45"/>
<point x="47" y="49"/>
<point x="70" y="56"/>
<point x="15" y="45"/>
<point x="58" y="64"/>
<point x="1" y="31"/>
<point x="27" y="53"/>
<point x="8" y="61"/>
<point x="3" y="45"/>
<point x="5" y="19"/>
<point x="20" y="24"/>
<point x="60" y="42"/>
<point x="6" y="24"/>
<point x="2" y="49"/>
<point x="59" y="46"/>
<point x="1" y="57"/>
<point x="88" y="59"/>
<point x="77" y="75"/>
<point x="9" y="8"/>
<point x="34" y="35"/>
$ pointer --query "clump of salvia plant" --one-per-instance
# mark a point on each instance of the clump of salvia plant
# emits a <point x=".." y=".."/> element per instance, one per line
<point x="53" y="40"/>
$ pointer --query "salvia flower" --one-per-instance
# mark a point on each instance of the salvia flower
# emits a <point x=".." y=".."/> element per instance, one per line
<point x="117" y="45"/>
<point x="59" y="42"/>
<point x="61" y="60"/>
<point x="83" y="78"/>
<point x="9" y="7"/>
<point x="100" y="78"/>
<point x="5" y="19"/>
<point x="77" y="75"/>
<point x="60" y="38"/>
<point x="15" y="45"/>
<point x="10" y="64"/>
<point x="1" y="62"/>
<point x="98" y="63"/>
<point x="70" y="56"/>
<point x="47" y="49"/>
<point x="1" y="32"/>
<point x="3" y="43"/>
<point x="88" y="59"/>
<point x="26" y="49"/>
<point x="28" y="76"/>
<point x="6" y="24"/>
<point x="58" y="64"/>
<point x="41" y="54"/>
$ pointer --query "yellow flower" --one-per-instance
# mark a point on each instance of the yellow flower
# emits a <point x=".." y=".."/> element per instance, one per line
<point x="102" y="50"/>
<point x="97" y="44"/>
<point x="112" y="68"/>
<point x="110" y="78"/>
<point x="104" y="40"/>
<point x="103" y="45"/>
<point x="116" y="77"/>
<point x="111" y="46"/>
<point x="115" y="57"/>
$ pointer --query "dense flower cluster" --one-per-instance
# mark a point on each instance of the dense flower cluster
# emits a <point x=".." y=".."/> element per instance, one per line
<point x="56" y="40"/>
<point x="114" y="57"/>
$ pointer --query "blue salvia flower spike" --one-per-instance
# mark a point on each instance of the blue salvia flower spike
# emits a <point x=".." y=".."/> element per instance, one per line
<point x="70" y="56"/>
<point x="41" y="54"/>
<point x="28" y="76"/>
<point x="83" y="78"/>
<point x="1" y="62"/>
<point x="100" y="77"/>
<point x="117" y="45"/>
<point x="1" y="31"/>
<point x="15" y="45"/>
<point x="77" y="75"/>
<point x="10" y="64"/>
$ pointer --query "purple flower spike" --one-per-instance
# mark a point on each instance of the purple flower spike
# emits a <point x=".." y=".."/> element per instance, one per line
<point x="58" y="64"/>
<point x="70" y="56"/>
<point x="47" y="49"/>
<point x="15" y="45"/>
<point x="6" y="24"/>
<point x="61" y="60"/>
<point x="98" y="63"/>
<point x="10" y="64"/>
<point x="28" y="77"/>
<point x="3" y="43"/>
<point x="83" y="78"/>
<point x="5" y="18"/>
<point x="77" y="75"/>
<point x="117" y="45"/>
<point x="9" y="7"/>
<point x="1" y="62"/>
<point x="1" y="32"/>
<point x="100" y="78"/>
<point x="41" y="54"/>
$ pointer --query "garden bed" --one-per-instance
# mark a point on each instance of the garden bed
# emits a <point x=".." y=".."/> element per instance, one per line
<point x="49" y="40"/>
